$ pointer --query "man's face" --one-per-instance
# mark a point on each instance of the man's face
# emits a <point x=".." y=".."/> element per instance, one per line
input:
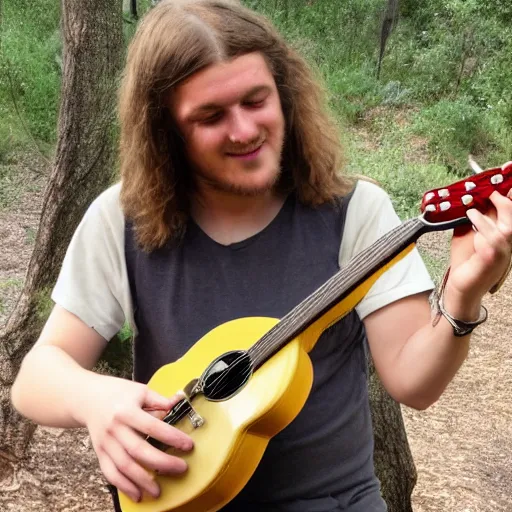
<point x="231" y="119"/>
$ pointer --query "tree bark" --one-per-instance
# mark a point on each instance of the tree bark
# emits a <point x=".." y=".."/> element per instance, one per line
<point x="394" y="464"/>
<point x="83" y="166"/>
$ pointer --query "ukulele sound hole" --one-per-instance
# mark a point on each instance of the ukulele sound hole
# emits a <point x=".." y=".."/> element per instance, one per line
<point x="226" y="375"/>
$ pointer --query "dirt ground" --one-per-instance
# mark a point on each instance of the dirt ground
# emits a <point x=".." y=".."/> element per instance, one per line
<point x="462" y="445"/>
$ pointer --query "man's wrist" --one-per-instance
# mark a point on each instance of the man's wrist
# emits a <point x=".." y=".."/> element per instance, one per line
<point x="89" y="385"/>
<point x="461" y="311"/>
<point x="460" y="327"/>
<point x="463" y="307"/>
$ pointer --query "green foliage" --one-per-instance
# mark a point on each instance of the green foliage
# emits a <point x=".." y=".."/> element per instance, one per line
<point x="44" y="304"/>
<point x="5" y="186"/>
<point x="30" y="235"/>
<point x="393" y="164"/>
<point x="352" y="92"/>
<point x="426" y="70"/>
<point x="453" y="47"/>
<point x="30" y="74"/>
<point x="11" y="283"/>
<point x="498" y="9"/>
<point x="456" y="129"/>
<point x="117" y="357"/>
<point x="7" y="143"/>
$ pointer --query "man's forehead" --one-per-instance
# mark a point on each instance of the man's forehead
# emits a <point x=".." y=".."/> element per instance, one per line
<point x="223" y="82"/>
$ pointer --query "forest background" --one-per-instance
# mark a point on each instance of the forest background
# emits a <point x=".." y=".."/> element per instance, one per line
<point x="444" y="91"/>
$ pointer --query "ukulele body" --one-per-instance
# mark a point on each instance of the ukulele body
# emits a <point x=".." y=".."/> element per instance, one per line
<point x="229" y="445"/>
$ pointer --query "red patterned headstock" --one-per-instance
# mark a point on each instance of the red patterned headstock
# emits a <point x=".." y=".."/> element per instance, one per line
<point x="450" y="203"/>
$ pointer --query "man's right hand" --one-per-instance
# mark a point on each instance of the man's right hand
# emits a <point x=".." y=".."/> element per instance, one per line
<point x="119" y="418"/>
<point x="118" y="413"/>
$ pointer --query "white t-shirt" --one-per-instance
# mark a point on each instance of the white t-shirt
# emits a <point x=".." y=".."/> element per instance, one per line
<point x="93" y="282"/>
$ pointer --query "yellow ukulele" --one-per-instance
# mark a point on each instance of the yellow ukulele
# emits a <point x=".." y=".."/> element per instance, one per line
<point x="247" y="379"/>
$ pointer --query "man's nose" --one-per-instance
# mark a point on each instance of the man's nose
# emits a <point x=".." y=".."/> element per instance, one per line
<point x="242" y="128"/>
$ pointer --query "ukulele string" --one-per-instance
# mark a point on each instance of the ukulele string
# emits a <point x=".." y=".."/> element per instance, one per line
<point x="176" y="415"/>
<point x="226" y="373"/>
<point x="359" y="265"/>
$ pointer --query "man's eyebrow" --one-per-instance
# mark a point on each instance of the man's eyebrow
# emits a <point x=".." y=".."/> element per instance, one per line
<point x="256" y="89"/>
<point x="208" y="107"/>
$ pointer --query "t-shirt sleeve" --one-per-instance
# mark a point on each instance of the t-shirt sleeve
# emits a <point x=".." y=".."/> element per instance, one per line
<point x="92" y="280"/>
<point x="370" y="216"/>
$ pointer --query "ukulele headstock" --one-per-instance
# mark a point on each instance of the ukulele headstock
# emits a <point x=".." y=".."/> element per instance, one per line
<point x="451" y="202"/>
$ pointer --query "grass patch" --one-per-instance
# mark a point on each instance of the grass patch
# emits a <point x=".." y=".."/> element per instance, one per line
<point x="404" y="182"/>
<point x="30" y="235"/>
<point x="383" y="148"/>
<point x="10" y="185"/>
<point x="455" y="130"/>
<point x="435" y="266"/>
<point x="23" y="172"/>
<point x="8" y="285"/>
<point x="44" y="304"/>
<point x="117" y="359"/>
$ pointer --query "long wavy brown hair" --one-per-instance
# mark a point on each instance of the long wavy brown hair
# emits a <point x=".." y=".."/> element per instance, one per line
<point x="176" y="39"/>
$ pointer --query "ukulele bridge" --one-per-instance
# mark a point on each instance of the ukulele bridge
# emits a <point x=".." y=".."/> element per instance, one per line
<point x="181" y="409"/>
<point x="195" y="418"/>
<point x="192" y="389"/>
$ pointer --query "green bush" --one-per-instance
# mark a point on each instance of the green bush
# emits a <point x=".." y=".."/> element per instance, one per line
<point x="426" y="69"/>
<point x="455" y="129"/>
<point x="340" y="40"/>
<point x="352" y="91"/>
<point x="30" y="71"/>
<point x="403" y="181"/>
<point x="117" y="358"/>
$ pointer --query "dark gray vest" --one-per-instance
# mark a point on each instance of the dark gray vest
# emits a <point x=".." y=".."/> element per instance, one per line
<point x="323" y="461"/>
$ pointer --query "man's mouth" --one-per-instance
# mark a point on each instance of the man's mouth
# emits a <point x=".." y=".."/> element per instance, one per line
<point x="246" y="152"/>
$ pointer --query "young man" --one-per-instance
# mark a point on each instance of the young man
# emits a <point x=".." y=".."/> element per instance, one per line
<point x="231" y="204"/>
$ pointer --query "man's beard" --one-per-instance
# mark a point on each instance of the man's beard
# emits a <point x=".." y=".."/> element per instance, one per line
<point x="238" y="189"/>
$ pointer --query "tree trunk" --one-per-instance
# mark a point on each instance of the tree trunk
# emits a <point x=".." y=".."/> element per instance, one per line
<point x="83" y="166"/>
<point x="394" y="464"/>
